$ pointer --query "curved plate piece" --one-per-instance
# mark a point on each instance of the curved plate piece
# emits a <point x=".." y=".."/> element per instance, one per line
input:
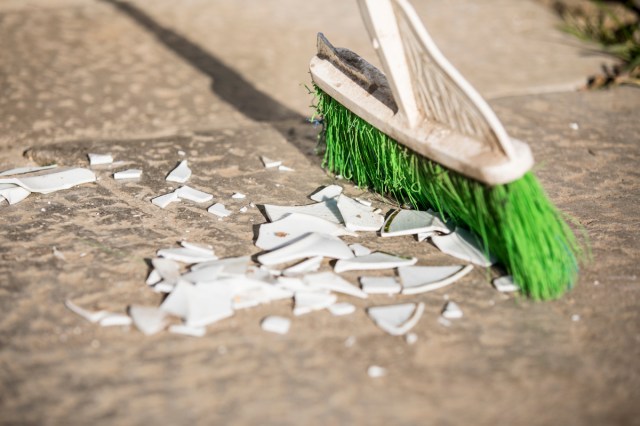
<point x="396" y="319"/>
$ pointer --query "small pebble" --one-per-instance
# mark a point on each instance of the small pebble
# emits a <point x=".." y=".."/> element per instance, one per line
<point x="575" y="317"/>
<point x="411" y="338"/>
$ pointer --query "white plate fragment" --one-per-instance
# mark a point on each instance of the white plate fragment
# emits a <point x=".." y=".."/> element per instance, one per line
<point x="309" y="265"/>
<point x="149" y="320"/>
<point x="333" y="282"/>
<point x="115" y="320"/>
<point x="98" y="159"/>
<point x="188" y="193"/>
<point x="363" y="201"/>
<point x="249" y="292"/>
<point x="23" y="170"/>
<point x="505" y="284"/>
<point x="311" y="245"/>
<point x="180" y="174"/>
<point x="153" y="278"/>
<point x="53" y="181"/>
<point x="284" y="168"/>
<point x="358" y="217"/>
<point x="396" y="319"/>
<point x="91" y="316"/>
<point x="204" y="248"/>
<point x="451" y="310"/>
<point x="269" y="163"/>
<point x="327" y="210"/>
<point x="238" y="195"/>
<point x="185" y="330"/>
<point x="326" y="193"/>
<point x="209" y="303"/>
<point x="373" y="261"/>
<point x="340" y="309"/>
<point x="164" y="200"/>
<point x="463" y="245"/>
<point x="167" y="269"/>
<point x="380" y="285"/>
<point x="14" y="194"/>
<point x="410" y="222"/>
<point x="219" y="210"/>
<point x="292" y="284"/>
<point x="420" y="279"/>
<point x="177" y="302"/>
<point x="375" y="371"/>
<point x="276" y="324"/>
<point x="128" y="174"/>
<point x="309" y="301"/>
<point x="293" y="226"/>
<point x="230" y="266"/>
<point x="411" y="338"/>
<point x="186" y="255"/>
<point x="359" y="250"/>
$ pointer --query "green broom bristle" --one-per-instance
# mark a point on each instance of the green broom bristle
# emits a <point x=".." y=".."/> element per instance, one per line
<point x="516" y="222"/>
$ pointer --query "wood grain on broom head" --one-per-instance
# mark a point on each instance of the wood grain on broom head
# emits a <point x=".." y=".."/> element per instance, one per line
<point x="516" y="221"/>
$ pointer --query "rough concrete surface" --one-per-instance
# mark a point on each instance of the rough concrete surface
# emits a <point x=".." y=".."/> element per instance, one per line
<point x="145" y="80"/>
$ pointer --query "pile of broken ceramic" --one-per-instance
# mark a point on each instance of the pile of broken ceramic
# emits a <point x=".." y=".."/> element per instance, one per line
<point x="297" y="242"/>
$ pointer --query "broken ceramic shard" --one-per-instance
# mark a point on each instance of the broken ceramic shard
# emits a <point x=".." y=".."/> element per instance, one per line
<point x="177" y="302"/>
<point x="99" y="159"/>
<point x="411" y="338"/>
<point x="53" y="181"/>
<point x="269" y="163"/>
<point x="380" y="285"/>
<point x="185" y="330"/>
<point x="505" y="284"/>
<point x="363" y="201"/>
<point x="327" y="210"/>
<point x="373" y="261"/>
<point x="451" y="310"/>
<point x="340" y="309"/>
<point x="180" y="174"/>
<point x="231" y="266"/>
<point x="204" y="248"/>
<point x="420" y="279"/>
<point x="209" y="303"/>
<point x="311" y="245"/>
<point x="326" y="193"/>
<point x="91" y="316"/>
<point x="358" y="217"/>
<point x="115" y="320"/>
<point x="250" y="292"/>
<point x="276" y="324"/>
<point x="153" y="278"/>
<point x="409" y="222"/>
<point x="187" y="193"/>
<point x="332" y="282"/>
<point x="186" y="255"/>
<point x="167" y="269"/>
<point x="23" y="170"/>
<point x="13" y="194"/>
<point x="293" y="226"/>
<point x="284" y="168"/>
<point x="463" y="245"/>
<point x="376" y="371"/>
<point x="149" y="320"/>
<point x="238" y="195"/>
<point x="396" y="319"/>
<point x="359" y="249"/>
<point x="309" y="301"/>
<point x="309" y="265"/>
<point x="291" y="284"/>
<point x="128" y="174"/>
<point x="164" y="200"/>
<point x="219" y="210"/>
<point x="421" y="236"/>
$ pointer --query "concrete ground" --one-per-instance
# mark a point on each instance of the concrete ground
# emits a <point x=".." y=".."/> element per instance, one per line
<point x="224" y="82"/>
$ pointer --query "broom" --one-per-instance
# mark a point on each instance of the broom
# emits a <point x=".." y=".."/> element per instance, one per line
<point x="424" y="136"/>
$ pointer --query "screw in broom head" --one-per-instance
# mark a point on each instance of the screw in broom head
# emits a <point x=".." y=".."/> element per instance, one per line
<point x="424" y="136"/>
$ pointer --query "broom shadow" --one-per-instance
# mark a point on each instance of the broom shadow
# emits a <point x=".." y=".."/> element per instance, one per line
<point x="227" y="84"/>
